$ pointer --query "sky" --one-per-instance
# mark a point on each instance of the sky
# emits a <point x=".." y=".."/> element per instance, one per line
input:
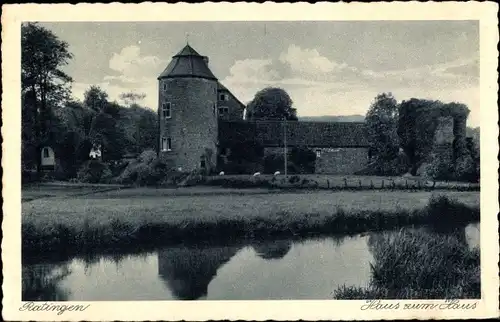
<point x="327" y="67"/>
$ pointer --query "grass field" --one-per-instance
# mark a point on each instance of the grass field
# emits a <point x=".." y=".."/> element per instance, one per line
<point x="175" y="206"/>
<point x="125" y="217"/>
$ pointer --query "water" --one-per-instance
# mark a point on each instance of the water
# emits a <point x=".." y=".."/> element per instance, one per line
<point x="280" y="269"/>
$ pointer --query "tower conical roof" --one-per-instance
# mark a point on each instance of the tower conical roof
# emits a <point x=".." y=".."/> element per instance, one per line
<point x="188" y="63"/>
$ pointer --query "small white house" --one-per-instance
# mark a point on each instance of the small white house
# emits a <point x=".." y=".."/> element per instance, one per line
<point x="95" y="152"/>
<point x="48" y="157"/>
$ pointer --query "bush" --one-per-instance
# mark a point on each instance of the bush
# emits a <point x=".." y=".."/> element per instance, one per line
<point x="466" y="169"/>
<point x="94" y="171"/>
<point x="440" y="167"/>
<point x="144" y="171"/>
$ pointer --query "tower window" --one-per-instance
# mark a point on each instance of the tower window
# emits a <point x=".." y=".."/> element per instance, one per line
<point x="45" y="152"/>
<point x="202" y="162"/>
<point x="164" y="86"/>
<point x="318" y="153"/>
<point x="223" y="97"/>
<point x="166" y="144"/>
<point x="167" y="110"/>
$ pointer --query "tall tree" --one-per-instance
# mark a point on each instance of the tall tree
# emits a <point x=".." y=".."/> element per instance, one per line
<point x="95" y="98"/>
<point x="271" y="103"/>
<point x="382" y="125"/>
<point x="44" y="84"/>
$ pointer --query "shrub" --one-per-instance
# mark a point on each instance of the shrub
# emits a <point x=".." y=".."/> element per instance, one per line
<point x="147" y="169"/>
<point x="94" y="171"/>
<point x="466" y="169"/>
<point x="439" y="167"/>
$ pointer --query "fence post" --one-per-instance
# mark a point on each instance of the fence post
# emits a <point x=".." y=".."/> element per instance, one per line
<point x="327" y="184"/>
<point x="371" y="184"/>
<point x="360" y="186"/>
<point x="382" y="187"/>
<point x="406" y="184"/>
<point x="345" y="183"/>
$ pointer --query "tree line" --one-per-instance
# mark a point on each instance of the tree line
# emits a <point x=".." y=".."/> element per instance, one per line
<point x="50" y="117"/>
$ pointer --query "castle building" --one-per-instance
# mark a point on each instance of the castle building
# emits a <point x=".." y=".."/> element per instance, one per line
<point x="200" y="120"/>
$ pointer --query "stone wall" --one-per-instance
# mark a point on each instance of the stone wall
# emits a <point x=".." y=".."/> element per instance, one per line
<point x="333" y="160"/>
<point x="341" y="160"/>
<point x="193" y="123"/>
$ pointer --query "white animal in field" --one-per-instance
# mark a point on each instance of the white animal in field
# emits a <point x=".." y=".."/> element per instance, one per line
<point x="277" y="173"/>
<point x="256" y="174"/>
<point x="179" y="169"/>
<point x="221" y="173"/>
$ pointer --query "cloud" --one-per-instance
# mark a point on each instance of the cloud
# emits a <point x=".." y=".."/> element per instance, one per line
<point x="321" y="86"/>
<point x="308" y="61"/>
<point x="132" y="73"/>
<point x="129" y="62"/>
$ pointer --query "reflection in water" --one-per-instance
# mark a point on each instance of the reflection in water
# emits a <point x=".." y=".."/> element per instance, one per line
<point x="187" y="271"/>
<point x="272" y="249"/>
<point x="281" y="269"/>
<point x="41" y="282"/>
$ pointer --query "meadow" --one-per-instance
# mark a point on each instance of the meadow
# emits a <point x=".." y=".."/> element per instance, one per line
<point x="136" y="216"/>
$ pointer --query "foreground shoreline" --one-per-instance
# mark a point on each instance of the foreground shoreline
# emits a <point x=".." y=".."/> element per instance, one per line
<point x="115" y="220"/>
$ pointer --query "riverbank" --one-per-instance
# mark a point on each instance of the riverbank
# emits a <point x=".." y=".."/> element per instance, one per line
<point x="128" y="218"/>
<point x="419" y="265"/>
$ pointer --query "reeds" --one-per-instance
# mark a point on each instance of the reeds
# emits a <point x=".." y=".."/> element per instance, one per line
<point x="115" y="234"/>
<point x="419" y="265"/>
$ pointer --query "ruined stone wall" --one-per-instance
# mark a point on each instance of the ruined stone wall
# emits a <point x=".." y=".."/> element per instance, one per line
<point x="193" y="123"/>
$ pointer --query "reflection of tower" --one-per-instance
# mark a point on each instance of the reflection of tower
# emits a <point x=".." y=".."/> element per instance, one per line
<point x="188" y="271"/>
<point x="272" y="249"/>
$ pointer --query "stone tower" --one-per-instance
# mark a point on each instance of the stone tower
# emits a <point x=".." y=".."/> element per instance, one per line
<point x="187" y="112"/>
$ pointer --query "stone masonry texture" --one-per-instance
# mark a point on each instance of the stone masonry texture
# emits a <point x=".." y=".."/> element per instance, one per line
<point x="192" y="127"/>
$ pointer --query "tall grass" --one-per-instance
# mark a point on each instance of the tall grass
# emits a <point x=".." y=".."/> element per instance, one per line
<point x="419" y="265"/>
<point x="38" y="237"/>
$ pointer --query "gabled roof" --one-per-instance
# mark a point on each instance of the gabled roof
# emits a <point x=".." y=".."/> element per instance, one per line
<point x="222" y="88"/>
<point x="188" y="63"/>
<point x="312" y="134"/>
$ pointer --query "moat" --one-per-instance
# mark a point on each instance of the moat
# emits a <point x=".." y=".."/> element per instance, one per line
<point x="278" y="269"/>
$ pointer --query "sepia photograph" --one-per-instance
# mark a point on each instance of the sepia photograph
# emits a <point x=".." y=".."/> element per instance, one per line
<point x="251" y="160"/>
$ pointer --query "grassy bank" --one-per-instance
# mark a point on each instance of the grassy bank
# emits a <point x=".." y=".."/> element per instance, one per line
<point x="117" y="219"/>
<point x="419" y="265"/>
<point x="337" y="182"/>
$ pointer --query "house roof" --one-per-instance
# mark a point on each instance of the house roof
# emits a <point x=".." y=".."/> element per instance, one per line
<point x="312" y="134"/>
<point x="188" y="63"/>
<point x="222" y="88"/>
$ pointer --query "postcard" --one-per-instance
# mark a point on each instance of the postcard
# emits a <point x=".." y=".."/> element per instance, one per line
<point x="328" y="161"/>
